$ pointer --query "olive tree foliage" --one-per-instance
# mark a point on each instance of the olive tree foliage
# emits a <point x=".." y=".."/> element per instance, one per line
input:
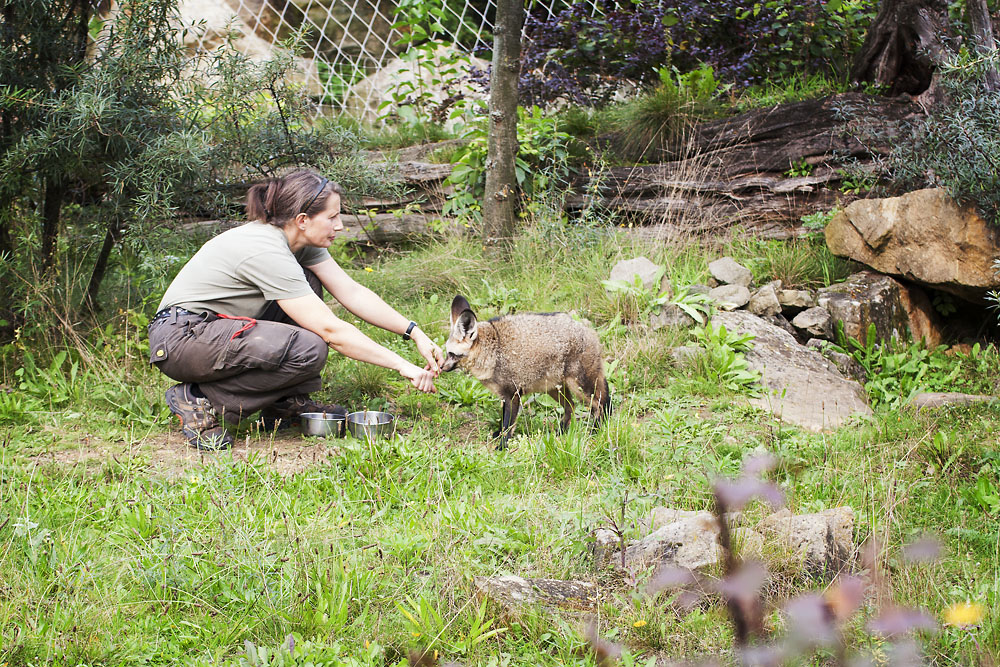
<point x="110" y="133"/>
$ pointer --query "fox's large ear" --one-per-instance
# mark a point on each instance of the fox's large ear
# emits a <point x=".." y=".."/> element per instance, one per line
<point x="466" y="326"/>
<point x="459" y="305"/>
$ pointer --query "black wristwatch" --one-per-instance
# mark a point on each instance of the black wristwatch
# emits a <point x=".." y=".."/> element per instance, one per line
<point x="413" y="325"/>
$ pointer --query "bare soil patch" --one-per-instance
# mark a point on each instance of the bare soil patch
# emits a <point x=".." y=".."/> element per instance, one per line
<point x="169" y="453"/>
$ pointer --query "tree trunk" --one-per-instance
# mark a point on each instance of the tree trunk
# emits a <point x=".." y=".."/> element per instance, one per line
<point x="112" y="236"/>
<point x="51" y="210"/>
<point x="500" y="205"/>
<point x="983" y="42"/>
<point x="903" y="46"/>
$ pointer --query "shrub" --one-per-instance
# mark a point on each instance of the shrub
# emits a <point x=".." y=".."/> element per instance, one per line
<point x="954" y="146"/>
<point x="584" y="58"/>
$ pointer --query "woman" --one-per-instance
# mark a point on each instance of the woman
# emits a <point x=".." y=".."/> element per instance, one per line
<point x="243" y="326"/>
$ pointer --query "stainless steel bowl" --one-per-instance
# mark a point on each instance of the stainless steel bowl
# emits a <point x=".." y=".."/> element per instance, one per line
<point x="323" y="424"/>
<point x="370" y="424"/>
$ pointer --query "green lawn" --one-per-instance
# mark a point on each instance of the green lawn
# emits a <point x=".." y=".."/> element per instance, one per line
<point x="108" y="556"/>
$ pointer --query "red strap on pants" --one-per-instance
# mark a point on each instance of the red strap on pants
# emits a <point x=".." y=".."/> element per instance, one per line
<point x="250" y="323"/>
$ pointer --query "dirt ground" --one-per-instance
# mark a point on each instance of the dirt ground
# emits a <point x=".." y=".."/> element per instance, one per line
<point x="170" y="455"/>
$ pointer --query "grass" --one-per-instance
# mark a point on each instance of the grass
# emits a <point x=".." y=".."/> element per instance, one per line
<point x="112" y="552"/>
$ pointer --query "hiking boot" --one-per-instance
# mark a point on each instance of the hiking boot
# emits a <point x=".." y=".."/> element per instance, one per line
<point x="198" y="421"/>
<point x="286" y="411"/>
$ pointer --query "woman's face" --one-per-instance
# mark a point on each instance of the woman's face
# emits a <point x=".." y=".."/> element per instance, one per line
<point x="322" y="228"/>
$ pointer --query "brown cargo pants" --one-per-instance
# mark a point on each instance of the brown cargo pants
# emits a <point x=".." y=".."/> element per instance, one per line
<point x="242" y="374"/>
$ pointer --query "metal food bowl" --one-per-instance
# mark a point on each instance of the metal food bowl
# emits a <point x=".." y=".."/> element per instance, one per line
<point x="370" y="424"/>
<point x="324" y="424"/>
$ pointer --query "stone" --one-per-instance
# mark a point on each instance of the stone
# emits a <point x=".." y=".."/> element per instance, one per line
<point x="685" y="539"/>
<point x="939" y="399"/>
<point x="730" y="297"/>
<point x="824" y="540"/>
<point x="895" y="309"/>
<point x="605" y="546"/>
<point x="670" y="315"/>
<point x="801" y="387"/>
<point x="513" y="592"/>
<point x="815" y="321"/>
<point x="645" y="270"/>
<point x="764" y="301"/>
<point x="782" y="323"/>
<point x="922" y="236"/>
<point x="698" y="289"/>
<point x="847" y="364"/>
<point x="211" y="25"/>
<point x="796" y="299"/>
<point x="729" y="272"/>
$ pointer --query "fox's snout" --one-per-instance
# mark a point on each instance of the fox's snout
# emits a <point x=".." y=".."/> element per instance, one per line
<point x="450" y="363"/>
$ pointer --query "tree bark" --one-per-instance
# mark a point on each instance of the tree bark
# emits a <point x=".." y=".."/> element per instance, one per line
<point x="500" y="205"/>
<point x="983" y="42"/>
<point x="111" y="238"/>
<point x="55" y="191"/>
<point x="903" y="46"/>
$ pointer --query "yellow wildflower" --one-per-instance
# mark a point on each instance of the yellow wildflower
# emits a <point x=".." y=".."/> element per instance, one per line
<point x="638" y="624"/>
<point x="369" y="269"/>
<point x="964" y="614"/>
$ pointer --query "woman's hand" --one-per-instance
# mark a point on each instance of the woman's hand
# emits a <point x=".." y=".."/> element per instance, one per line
<point x="421" y="378"/>
<point x="429" y="350"/>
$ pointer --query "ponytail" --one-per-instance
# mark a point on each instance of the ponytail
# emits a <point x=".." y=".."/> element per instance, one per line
<point x="278" y="200"/>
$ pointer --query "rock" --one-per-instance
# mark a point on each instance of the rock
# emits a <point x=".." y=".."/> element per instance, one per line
<point x="605" y="546"/>
<point x="815" y="321"/>
<point x="698" y="289"/>
<point x="210" y="25"/>
<point x="825" y="540"/>
<point x="670" y="315"/>
<point x="872" y="298"/>
<point x="780" y="322"/>
<point x="796" y="299"/>
<point x="923" y="236"/>
<point x="512" y="592"/>
<point x="845" y="363"/>
<point x="939" y="399"/>
<point x="764" y="301"/>
<point x="690" y="540"/>
<point x="730" y="297"/>
<point x="729" y="272"/>
<point x="802" y="387"/>
<point x="645" y="270"/>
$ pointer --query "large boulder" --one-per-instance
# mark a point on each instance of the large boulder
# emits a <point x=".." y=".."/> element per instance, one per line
<point x="824" y="540"/>
<point x="867" y="298"/>
<point x="679" y="539"/>
<point x="210" y="24"/>
<point x="801" y="386"/>
<point x="922" y="236"/>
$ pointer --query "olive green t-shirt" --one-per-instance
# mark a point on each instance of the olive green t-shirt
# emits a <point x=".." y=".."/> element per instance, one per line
<point x="239" y="271"/>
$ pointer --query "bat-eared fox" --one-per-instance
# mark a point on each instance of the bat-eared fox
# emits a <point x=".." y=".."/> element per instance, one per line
<point x="529" y="353"/>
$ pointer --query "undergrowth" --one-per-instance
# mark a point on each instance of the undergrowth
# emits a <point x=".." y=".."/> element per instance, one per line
<point x="118" y="545"/>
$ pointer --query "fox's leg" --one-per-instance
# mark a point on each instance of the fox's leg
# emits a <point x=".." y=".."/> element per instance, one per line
<point x="508" y="415"/>
<point x="561" y="394"/>
<point x="595" y="394"/>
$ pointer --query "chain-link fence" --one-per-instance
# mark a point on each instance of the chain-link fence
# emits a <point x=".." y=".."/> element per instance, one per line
<point x="346" y="44"/>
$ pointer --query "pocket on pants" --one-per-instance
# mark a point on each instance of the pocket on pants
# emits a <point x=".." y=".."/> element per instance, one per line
<point x="263" y="346"/>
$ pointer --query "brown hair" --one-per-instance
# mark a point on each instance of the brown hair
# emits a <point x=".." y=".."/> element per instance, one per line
<point x="278" y="200"/>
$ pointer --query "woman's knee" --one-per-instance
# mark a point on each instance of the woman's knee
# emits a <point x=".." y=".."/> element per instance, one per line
<point x="310" y="351"/>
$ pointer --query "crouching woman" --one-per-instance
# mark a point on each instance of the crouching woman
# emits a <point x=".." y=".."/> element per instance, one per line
<point x="243" y="327"/>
